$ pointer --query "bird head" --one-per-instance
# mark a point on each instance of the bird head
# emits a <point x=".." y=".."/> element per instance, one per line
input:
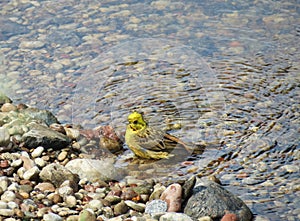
<point x="136" y="121"/>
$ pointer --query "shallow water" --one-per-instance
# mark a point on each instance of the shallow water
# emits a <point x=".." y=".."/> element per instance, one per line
<point x="227" y="72"/>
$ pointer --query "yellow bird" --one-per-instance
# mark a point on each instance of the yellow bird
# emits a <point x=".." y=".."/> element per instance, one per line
<point x="147" y="142"/>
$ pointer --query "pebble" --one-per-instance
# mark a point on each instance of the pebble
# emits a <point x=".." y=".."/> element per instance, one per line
<point x="4" y="182"/>
<point x="172" y="195"/>
<point x="3" y="205"/>
<point x="4" y="136"/>
<point x="205" y="218"/>
<point x="156" y="206"/>
<point x="7" y="107"/>
<point x="70" y="201"/>
<point x="16" y="163"/>
<point x="87" y="214"/>
<point x="290" y="168"/>
<point x="52" y="217"/>
<point x="62" y="155"/>
<point x="120" y="208"/>
<point x="31" y="44"/>
<point x="95" y="205"/>
<point x="37" y="152"/>
<point x="140" y="207"/>
<point x="6" y="212"/>
<point x="171" y="216"/>
<point x="39" y="162"/>
<point x="8" y="196"/>
<point x="32" y="173"/>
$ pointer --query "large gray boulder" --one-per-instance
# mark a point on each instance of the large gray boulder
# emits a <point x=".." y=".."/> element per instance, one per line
<point x="210" y="199"/>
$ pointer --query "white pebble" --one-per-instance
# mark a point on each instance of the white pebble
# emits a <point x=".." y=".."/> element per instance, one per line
<point x="3" y="183"/>
<point x="6" y="212"/>
<point x="70" y="201"/>
<point x="31" y="173"/>
<point x="3" y="205"/>
<point x="52" y="217"/>
<point x="12" y="205"/>
<point x="37" y="152"/>
<point x="16" y="163"/>
<point x="8" y="196"/>
<point x="39" y="162"/>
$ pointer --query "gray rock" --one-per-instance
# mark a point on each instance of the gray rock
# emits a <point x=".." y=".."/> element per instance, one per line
<point x="41" y="116"/>
<point x="140" y="207"/>
<point x="187" y="188"/>
<point x="156" y="206"/>
<point x="40" y="135"/>
<point x="120" y="208"/>
<point x="4" y="99"/>
<point x="171" y="216"/>
<point x="4" y="136"/>
<point x="57" y="174"/>
<point x="94" y="170"/>
<point x="210" y="199"/>
<point x="95" y="205"/>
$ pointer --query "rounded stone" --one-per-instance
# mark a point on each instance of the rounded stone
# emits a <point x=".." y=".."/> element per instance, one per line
<point x="52" y="217"/>
<point x="70" y="201"/>
<point x="156" y="206"/>
<point x="87" y="214"/>
<point x="8" y="196"/>
<point x="32" y="173"/>
<point x="62" y="155"/>
<point x="4" y="136"/>
<point x="6" y="212"/>
<point x="95" y="205"/>
<point x="37" y="152"/>
<point x="7" y="107"/>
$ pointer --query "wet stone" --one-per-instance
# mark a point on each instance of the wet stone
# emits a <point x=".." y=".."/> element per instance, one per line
<point x="3" y="98"/>
<point x="32" y="44"/>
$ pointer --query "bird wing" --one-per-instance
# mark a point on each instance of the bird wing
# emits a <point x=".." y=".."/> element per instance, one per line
<point x="151" y="139"/>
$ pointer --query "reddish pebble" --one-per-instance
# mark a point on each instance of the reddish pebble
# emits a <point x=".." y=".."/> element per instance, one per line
<point x="172" y="195"/>
<point x="4" y="163"/>
<point x="187" y="163"/>
<point x="229" y="217"/>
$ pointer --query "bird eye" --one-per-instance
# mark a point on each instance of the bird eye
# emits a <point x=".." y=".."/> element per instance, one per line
<point x="135" y="122"/>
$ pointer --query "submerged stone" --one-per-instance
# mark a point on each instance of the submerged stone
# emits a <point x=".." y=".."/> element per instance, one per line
<point x="4" y="99"/>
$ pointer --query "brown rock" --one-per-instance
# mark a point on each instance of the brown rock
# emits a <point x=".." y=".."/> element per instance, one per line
<point x="229" y="217"/>
<point x="172" y="195"/>
<point x="7" y="107"/>
<point x="45" y="187"/>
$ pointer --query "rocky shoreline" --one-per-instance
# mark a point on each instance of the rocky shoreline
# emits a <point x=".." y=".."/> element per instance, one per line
<point x="48" y="174"/>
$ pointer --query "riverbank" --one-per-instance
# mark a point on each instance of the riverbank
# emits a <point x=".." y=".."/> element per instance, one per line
<point x="47" y="174"/>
